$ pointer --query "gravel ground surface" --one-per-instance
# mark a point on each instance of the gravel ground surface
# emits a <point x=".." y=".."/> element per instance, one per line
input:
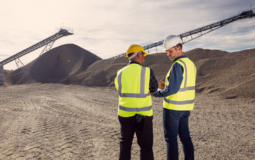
<point x="56" y="121"/>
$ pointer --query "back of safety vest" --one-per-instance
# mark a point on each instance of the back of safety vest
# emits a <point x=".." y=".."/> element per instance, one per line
<point x="132" y="84"/>
<point x="184" y="98"/>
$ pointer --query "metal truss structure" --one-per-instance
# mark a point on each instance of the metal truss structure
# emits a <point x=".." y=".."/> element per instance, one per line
<point x="196" y="33"/>
<point x="47" y="47"/>
<point x="48" y="42"/>
<point x="18" y="63"/>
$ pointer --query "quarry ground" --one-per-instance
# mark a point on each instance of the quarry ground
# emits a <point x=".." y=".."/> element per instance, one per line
<point x="55" y="121"/>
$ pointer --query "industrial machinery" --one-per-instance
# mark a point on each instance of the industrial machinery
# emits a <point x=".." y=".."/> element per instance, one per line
<point x="1" y="75"/>
<point x="193" y="34"/>
<point x="48" y="43"/>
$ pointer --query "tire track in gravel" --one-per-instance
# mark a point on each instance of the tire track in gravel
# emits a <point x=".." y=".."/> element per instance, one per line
<point x="54" y="129"/>
<point x="54" y="121"/>
<point x="44" y="132"/>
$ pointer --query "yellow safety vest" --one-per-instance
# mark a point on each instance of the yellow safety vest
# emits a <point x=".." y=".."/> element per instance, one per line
<point x="132" y="84"/>
<point x="184" y="98"/>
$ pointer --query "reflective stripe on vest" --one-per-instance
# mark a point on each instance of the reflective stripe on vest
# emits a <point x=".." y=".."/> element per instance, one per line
<point x="135" y="109"/>
<point x="185" y="80"/>
<point x="179" y="102"/>
<point x="144" y="109"/>
<point x="134" y="95"/>
<point x="182" y="90"/>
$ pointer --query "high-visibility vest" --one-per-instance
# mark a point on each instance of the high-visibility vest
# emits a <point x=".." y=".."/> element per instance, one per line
<point x="132" y="84"/>
<point x="184" y="98"/>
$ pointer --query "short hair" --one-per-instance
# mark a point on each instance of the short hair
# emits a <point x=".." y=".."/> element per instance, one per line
<point x="130" y="54"/>
<point x="179" y="44"/>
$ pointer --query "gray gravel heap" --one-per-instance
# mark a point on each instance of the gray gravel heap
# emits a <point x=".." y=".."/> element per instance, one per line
<point x="229" y="74"/>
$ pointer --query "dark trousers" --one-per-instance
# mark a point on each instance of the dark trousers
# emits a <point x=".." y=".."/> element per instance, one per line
<point x="176" y="123"/>
<point x="144" y="134"/>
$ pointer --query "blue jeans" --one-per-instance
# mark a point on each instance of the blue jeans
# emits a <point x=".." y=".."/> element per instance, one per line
<point x="176" y="123"/>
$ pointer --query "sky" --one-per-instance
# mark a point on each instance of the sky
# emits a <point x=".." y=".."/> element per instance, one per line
<point x="108" y="28"/>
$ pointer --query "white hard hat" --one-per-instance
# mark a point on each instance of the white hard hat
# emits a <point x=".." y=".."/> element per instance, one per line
<point x="171" y="41"/>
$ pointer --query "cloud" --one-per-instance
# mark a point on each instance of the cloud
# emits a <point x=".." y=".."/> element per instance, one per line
<point x="108" y="28"/>
<point x="3" y="55"/>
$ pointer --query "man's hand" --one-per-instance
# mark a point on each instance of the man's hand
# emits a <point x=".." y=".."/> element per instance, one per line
<point x="152" y="94"/>
<point x="161" y="84"/>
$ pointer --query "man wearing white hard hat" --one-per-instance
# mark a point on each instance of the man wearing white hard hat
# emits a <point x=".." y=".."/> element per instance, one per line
<point x="178" y="91"/>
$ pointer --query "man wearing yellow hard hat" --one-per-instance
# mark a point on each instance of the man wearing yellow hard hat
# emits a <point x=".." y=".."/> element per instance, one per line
<point x="134" y="84"/>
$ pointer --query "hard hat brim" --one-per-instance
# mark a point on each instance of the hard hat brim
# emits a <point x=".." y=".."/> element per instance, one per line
<point x="144" y="53"/>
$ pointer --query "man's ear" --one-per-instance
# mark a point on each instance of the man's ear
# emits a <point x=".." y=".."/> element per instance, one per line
<point x="179" y="48"/>
<point x="139" y="55"/>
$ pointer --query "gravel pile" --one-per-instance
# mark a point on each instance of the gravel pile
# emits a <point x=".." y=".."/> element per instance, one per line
<point x="7" y="80"/>
<point x="55" y="66"/>
<point x="231" y="75"/>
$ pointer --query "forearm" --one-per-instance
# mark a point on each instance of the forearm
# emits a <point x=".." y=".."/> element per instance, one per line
<point x="162" y="93"/>
<point x="174" y="84"/>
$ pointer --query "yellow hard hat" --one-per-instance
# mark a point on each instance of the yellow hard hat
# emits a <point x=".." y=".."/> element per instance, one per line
<point x="135" y="48"/>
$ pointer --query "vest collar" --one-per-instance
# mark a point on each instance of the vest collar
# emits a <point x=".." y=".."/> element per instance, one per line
<point x="184" y="56"/>
<point x="134" y="63"/>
